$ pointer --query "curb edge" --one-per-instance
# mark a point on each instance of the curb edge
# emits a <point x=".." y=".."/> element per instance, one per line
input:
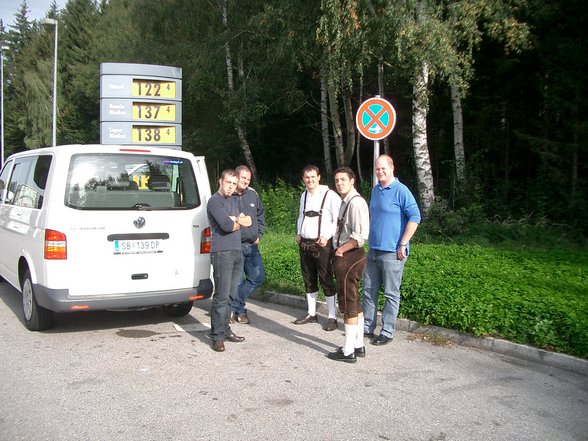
<point x="500" y="346"/>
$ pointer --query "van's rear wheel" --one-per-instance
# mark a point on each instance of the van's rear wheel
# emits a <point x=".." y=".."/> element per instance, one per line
<point x="178" y="309"/>
<point x="36" y="317"/>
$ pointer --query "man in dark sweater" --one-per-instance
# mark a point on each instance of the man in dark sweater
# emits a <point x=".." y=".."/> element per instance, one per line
<point x="249" y="204"/>
<point x="225" y="220"/>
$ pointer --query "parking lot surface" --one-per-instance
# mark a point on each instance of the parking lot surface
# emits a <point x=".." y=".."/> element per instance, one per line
<point x="143" y="376"/>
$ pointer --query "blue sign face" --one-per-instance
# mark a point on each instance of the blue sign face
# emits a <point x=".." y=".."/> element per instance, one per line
<point x="375" y="119"/>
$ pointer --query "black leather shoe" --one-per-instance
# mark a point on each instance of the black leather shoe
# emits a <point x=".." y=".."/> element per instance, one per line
<point x="306" y="319"/>
<point x="331" y="325"/>
<point x="368" y="334"/>
<point x="234" y="338"/>
<point x="340" y="356"/>
<point x="359" y="352"/>
<point x="382" y="340"/>
<point x="218" y="345"/>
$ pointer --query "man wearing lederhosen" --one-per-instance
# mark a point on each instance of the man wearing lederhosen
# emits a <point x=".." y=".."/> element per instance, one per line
<point x="349" y="263"/>
<point x="317" y="223"/>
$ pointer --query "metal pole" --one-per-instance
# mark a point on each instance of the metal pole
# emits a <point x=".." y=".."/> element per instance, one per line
<point x="53" y="22"/>
<point x="2" y="50"/>
<point x="2" y="104"/>
<point x="55" y="87"/>
<point x="376" y="154"/>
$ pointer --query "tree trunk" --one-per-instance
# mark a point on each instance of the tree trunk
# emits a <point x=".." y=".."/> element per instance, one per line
<point x="241" y="132"/>
<point x="382" y="95"/>
<point x="358" y="137"/>
<point x="419" y="140"/>
<point x="350" y="127"/>
<point x="336" y="122"/>
<point x="574" y="174"/>
<point x="325" y="123"/>
<point x="458" y="147"/>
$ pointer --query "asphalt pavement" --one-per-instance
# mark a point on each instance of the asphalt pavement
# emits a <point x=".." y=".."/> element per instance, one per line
<point x="143" y="376"/>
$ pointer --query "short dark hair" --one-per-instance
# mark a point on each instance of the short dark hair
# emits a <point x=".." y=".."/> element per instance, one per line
<point x="227" y="172"/>
<point x="345" y="170"/>
<point x="311" y="167"/>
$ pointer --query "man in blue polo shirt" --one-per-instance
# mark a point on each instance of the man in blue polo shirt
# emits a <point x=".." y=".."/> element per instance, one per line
<point x="394" y="218"/>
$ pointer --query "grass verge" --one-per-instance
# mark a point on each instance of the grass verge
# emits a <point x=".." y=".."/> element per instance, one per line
<point x="530" y="296"/>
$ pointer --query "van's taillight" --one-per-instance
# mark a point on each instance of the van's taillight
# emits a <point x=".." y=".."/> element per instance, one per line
<point x="55" y="245"/>
<point x="205" y="241"/>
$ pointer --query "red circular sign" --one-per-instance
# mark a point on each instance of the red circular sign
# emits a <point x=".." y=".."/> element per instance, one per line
<point x="375" y="118"/>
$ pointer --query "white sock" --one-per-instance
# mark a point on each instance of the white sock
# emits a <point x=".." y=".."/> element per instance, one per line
<point x="359" y="332"/>
<point x="349" y="345"/>
<point x="311" y="299"/>
<point x="331" y="307"/>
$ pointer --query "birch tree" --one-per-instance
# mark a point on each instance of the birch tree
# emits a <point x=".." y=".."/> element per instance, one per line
<point x="469" y="21"/>
<point x="239" y="128"/>
<point x="340" y="32"/>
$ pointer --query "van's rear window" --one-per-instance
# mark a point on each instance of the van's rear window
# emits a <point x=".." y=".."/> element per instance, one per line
<point x="118" y="181"/>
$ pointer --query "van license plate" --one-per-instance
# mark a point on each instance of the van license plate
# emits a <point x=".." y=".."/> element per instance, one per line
<point x="138" y="246"/>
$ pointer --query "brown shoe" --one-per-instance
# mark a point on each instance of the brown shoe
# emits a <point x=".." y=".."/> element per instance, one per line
<point x="233" y="319"/>
<point x="242" y="318"/>
<point x="234" y="338"/>
<point x="331" y="325"/>
<point x="218" y="345"/>
<point x="306" y="319"/>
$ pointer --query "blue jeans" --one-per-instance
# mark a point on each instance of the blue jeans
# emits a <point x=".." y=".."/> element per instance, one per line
<point x="383" y="268"/>
<point x="227" y="268"/>
<point x="254" y="276"/>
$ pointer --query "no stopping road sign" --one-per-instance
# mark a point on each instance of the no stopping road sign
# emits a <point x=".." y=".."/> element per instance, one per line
<point x="375" y="118"/>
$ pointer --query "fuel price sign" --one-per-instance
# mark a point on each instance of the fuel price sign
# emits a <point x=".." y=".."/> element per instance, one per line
<point x="140" y="104"/>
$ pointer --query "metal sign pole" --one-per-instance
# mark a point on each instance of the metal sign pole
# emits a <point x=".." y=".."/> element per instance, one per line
<point x="376" y="154"/>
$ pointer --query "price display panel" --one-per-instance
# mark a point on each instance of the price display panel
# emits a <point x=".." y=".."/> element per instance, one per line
<point x="154" y="111"/>
<point x="154" y="89"/>
<point x="154" y="134"/>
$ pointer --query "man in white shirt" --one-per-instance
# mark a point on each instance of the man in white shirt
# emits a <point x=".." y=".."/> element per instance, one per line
<point x="317" y="223"/>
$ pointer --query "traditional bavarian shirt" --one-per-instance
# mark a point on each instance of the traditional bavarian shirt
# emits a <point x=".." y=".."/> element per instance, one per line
<point x="354" y="220"/>
<point x="318" y="212"/>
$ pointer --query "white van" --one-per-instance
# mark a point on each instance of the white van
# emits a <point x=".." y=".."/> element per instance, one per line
<point x="91" y="227"/>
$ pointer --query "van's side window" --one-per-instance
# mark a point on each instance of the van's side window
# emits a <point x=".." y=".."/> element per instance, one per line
<point x="4" y="182"/>
<point x="29" y="178"/>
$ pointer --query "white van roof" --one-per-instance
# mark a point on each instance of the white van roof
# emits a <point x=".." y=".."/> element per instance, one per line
<point x="106" y="148"/>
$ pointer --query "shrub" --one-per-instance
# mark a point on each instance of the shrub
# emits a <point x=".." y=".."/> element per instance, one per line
<point x="281" y="202"/>
<point x="281" y="261"/>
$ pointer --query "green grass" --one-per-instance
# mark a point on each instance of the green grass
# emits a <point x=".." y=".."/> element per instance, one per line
<point x="525" y="295"/>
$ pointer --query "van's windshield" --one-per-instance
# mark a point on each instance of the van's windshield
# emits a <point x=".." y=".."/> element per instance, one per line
<point x="118" y="181"/>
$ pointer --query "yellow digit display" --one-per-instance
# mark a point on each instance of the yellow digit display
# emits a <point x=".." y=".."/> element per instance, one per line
<point x="154" y="135"/>
<point x="154" y="112"/>
<point x="154" y="89"/>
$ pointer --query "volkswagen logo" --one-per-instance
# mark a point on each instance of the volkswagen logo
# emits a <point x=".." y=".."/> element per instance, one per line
<point x="139" y="222"/>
